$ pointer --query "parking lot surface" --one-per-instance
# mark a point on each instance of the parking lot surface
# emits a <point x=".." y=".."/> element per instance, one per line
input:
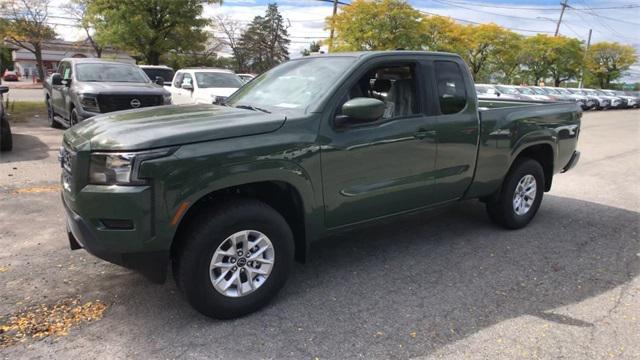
<point x="442" y="284"/>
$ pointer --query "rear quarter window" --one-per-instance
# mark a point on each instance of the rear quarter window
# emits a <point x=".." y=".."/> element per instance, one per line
<point x="452" y="93"/>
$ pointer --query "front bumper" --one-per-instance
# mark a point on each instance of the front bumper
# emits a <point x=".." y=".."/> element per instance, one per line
<point x="131" y="248"/>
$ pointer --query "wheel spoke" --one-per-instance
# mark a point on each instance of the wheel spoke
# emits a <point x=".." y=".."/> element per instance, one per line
<point x="256" y="254"/>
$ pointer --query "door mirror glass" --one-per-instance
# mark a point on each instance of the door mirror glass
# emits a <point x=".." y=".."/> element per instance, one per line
<point x="56" y="79"/>
<point x="159" y="80"/>
<point x="363" y="109"/>
<point x="187" y="86"/>
<point x="4" y="89"/>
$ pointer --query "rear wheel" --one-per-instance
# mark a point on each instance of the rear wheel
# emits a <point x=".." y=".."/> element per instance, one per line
<point x="520" y="197"/>
<point x="234" y="258"/>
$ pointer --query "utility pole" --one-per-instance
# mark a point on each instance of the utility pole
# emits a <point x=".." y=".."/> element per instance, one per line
<point x="586" y="52"/>
<point x="564" y="6"/>
<point x="333" y="18"/>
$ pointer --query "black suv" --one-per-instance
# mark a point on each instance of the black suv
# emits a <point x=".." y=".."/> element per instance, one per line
<point x="83" y="88"/>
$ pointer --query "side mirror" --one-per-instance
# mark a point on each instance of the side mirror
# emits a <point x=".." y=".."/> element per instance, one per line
<point x="498" y="93"/>
<point x="4" y="89"/>
<point x="56" y="79"/>
<point x="159" y="80"/>
<point x="66" y="82"/>
<point x="363" y="109"/>
<point x="187" y="87"/>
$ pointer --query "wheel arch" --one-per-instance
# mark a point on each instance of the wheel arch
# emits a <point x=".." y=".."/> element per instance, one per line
<point x="543" y="152"/>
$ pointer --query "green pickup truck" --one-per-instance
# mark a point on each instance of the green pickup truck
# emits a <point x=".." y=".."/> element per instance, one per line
<point x="230" y="195"/>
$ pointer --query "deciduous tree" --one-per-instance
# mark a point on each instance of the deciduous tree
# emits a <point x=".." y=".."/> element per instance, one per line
<point x="26" y="27"/>
<point x="149" y="28"/>
<point x="608" y="61"/>
<point x="77" y="9"/>
<point x="376" y="25"/>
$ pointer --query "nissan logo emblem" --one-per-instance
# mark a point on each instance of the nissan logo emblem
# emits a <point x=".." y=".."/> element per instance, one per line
<point x="135" y="103"/>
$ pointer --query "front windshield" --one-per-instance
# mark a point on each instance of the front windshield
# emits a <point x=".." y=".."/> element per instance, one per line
<point x="483" y="89"/>
<point x="294" y="85"/>
<point x="551" y="91"/>
<point x="115" y="72"/>
<point x="564" y="91"/>
<point x="212" y="79"/>
<point x="507" y="90"/>
<point x="525" y="91"/>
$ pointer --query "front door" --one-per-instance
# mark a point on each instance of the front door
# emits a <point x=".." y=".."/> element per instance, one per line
<point x="383" y="167"/>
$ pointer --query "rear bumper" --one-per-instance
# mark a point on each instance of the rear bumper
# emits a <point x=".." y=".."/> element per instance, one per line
<point x="82" y="234"/>
<point x="572" y="162"/>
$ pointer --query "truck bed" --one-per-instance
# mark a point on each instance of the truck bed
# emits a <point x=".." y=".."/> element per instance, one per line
<point x="502" y="124"/>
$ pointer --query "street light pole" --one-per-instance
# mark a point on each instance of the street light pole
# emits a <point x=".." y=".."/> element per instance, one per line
<point x="333" y="18"/>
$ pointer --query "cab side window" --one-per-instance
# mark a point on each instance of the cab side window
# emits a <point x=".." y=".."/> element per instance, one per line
<point x="452" y="93"/>
<point x="394" y="85"/>
<point x="187" y="80"/>
<point x="66" y="72"/>
<point x="177" y="81"/>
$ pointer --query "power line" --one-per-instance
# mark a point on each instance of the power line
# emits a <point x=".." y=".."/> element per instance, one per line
<point x="475" y="4"/>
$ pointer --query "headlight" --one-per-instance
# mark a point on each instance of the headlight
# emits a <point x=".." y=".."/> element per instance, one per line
<point x="89" y="102"/>
<point x="121" y="168"/>
<point x="167" y="99"/>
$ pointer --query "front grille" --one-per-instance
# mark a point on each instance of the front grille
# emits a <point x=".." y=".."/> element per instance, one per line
<point x="109" y="103"/>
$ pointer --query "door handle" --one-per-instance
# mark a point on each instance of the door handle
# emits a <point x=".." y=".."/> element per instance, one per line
<point x="425" y="134"/>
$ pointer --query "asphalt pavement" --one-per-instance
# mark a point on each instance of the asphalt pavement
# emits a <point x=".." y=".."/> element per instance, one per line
<point x="442" y="284"/>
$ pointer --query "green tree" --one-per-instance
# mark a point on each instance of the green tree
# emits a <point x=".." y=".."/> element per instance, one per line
<point x="77" y="9"/>
<point x="314" y="47"/>
<point x="566" y="59"/>
<point x="536" y="56"/>
<point x="376" y="25"/>
<point x="149" y="28"/>
<point x="265" y="42"/>
<point x="480" y="46"/>
<point x="26" y="27"/>
<point x="607" y="61"/>
<point x="437" y="33"/>
<point x="505" y="64"/>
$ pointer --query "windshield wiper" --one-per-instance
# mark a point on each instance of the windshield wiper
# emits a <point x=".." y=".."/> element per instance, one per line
<point x="254" y="108"/>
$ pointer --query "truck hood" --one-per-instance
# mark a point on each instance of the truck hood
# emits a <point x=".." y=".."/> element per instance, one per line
<point x="164" y="126"/>
<point x="120" y="88"/>
<point x="208" y="92"/>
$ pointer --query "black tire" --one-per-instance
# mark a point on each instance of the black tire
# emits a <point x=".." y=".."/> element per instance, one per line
<point x="51" y="116"/>
<point x="6" y="141"/>
<point x="501" y="210"/>
<point x="73" y="117"/>
<point x="207" y="232"/>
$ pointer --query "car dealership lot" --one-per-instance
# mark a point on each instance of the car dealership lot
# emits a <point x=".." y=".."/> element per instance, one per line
<point x="442" y="284"/>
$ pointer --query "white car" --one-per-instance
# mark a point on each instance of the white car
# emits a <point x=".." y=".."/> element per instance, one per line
<point x="203" y="86"/>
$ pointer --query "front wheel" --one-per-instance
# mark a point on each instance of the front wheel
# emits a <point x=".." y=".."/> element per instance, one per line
<point x="520" y="197"/>
<point x="234" y="258"/>
<point x="51" y="115"/>
<point x="73" y="118"/>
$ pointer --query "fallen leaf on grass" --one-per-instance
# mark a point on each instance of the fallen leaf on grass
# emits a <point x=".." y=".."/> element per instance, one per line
<point x="413" y="334"/>
<point x="48" y="320"/>
<point x="3" y="269"/>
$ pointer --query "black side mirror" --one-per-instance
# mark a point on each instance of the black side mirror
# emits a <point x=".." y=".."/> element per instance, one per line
<point x="361" y="109"/>
<point x="159" y="80"/>
<point x="56" y="79"/>
<point x="4" y="89"/>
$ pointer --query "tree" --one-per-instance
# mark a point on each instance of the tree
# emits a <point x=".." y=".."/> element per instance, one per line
<point x="265" y="42"/>
<point x="26" y="27"/>
<point x="536" y="56"/>
<point x="438" y="33"/>
<point x="208" y="56"/>
<point x="77" y="9"/>
<point x="149" y="28"/>
<point x="608" y="61"/>
<point x="565" y="60"/>
<point x="376" y="25"/>
<point x="480" y="46"/>
<point x="314" y="47"/>
<point x="233" y="31"/>
<point x="506" y="61"/>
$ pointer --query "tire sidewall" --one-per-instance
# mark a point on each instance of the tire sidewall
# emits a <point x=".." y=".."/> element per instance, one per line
<point x="526" y="167"/>
<point x="50" y="114"/>
<point x="73" y="118"/>
<point x="194" y="275"/>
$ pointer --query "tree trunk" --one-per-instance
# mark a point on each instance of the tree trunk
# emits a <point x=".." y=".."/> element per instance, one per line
<point x="556" y="82"/>
<point x="98" y="50"/>
<point x="38" y="53"/>
<point x="152" y="57"/>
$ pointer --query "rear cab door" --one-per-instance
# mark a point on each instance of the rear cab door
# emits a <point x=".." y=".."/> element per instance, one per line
<point x="458" y="127"/>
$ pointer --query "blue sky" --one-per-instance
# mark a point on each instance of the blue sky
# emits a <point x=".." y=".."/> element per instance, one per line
<point x="306" y="18"/>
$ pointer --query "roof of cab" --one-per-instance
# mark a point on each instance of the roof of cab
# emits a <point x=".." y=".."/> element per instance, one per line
<point x="366" y="54"/>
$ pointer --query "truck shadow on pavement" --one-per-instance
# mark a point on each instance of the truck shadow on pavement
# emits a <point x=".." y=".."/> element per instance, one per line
<point x="26" y="148"/>
<point x="409" y="287"/>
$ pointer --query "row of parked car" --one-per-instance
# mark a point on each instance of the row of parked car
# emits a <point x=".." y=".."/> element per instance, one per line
<point x="85" y="87"/>
<point x="589" y="99"/>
